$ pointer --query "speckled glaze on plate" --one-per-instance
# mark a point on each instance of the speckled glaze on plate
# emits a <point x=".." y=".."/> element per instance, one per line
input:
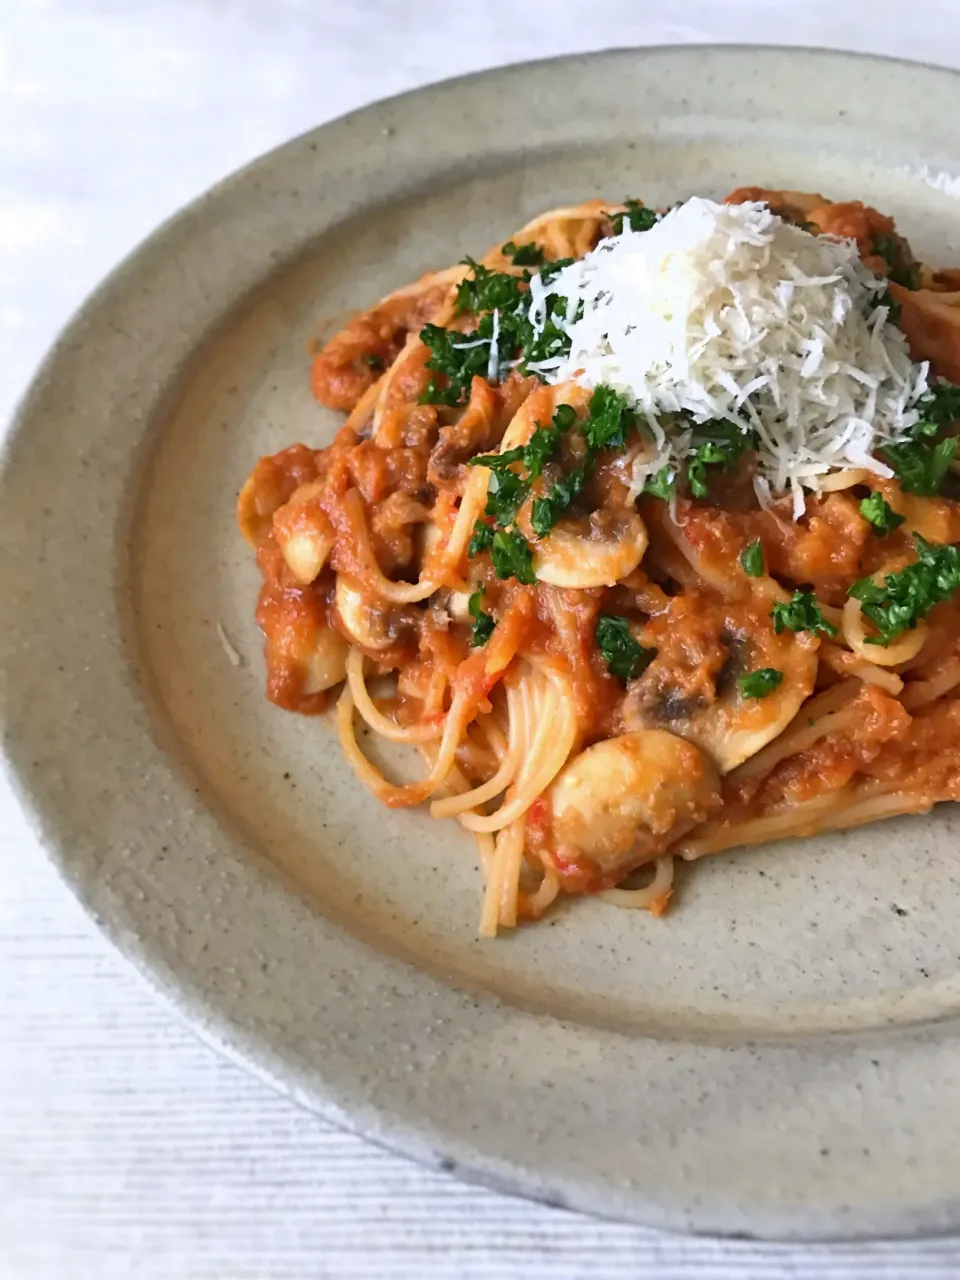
<point x="779" y="1056"/>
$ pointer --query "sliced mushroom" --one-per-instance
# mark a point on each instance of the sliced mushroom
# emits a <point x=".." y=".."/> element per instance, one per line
<point x="303" y="533"/>
<point x="622" y="800"/>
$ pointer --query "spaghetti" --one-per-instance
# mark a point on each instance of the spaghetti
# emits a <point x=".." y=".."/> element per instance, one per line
<point x="643" y="531"/>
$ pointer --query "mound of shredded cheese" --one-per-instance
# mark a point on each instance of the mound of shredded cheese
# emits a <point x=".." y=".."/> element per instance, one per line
<point x="727" y="311"/>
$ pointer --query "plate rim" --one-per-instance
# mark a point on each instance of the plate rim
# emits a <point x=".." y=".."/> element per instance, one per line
<point x="200" y="1007"/>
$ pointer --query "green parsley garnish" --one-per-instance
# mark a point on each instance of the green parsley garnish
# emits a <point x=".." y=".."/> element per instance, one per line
<point x="662" y="485"/>
<point x="462" y="356"/>
<point x="723" y="443"/>
<point x="510" y="553"/>
<point x="908" y="595"/>
<point x="901" y="269"/>
<point x="939" y="408"/>
<point x="624" y="656"/>
<point x="540" y="448"/>
<point x="373" y="362"/>
<point x="920" y="467"/>
<point x="498" y="461"/>
<point x="482" y="539"/>
<point x="544" y="444"/>
<point x="459" y="357"/>
<point x="609" y="420"/>
<point x="751" y="558"/>
<point x="545" y="512"/>
<point x="523" y="255"/>
<point x="718" y="444"/>
<point x="484" y="623"/>
<point x="553" y="268"/>
<point x="802" y="613"/>
<point x="759" y="683"/>
<point x="553" y="341"/>
<point x="637" y="216"/>
<point x="878" y="512"/>
<point x="506" y="494"/>
<point x="488" y="290"/>
<point x="607" y="424"/>
<point x="507" y="491"/>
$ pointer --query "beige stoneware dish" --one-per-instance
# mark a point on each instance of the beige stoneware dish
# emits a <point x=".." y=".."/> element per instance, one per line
<point x="779" y="1056"/>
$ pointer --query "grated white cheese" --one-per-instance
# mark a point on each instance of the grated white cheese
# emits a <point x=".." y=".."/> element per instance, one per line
<point x="493" y="360"/>
<point x="234" y="657"/>
<point x="727" y="311"/>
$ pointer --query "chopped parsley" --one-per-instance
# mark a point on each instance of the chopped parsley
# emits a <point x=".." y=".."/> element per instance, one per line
<point x="553" y="341"/>
<point x="554" y="267"/>
<point x="878" y="512"/>
<point x="507" y="490"/>
<point x="498" y="461"/>
<point x="506" y="494"/>
<point x="940" y="408"/>
<point x="636" y="216"/>
<point x="540" y="448"/>
<point x="920" y="468"/>
<point x="459" y="357"/>
<point x="722" y="444"/>
<point x="510" y="553"/>
<point x="759" y="683"/>
<point x="545" y="512"/>
<point x="609" y="420"/>
<point x="802" y="613"/>
<point x="907" y="596"/>
<point x="483" y="623"/>
<point x="482" y="539"/>
<point x="751" y="558"/>
<point x="921" y="465"/>
<point x="624" y="656"/>
<point x="901" y="269"/>
<point x="373" y="362"/>
<point x="607" y="425"/>
<point x="662" y="485"/>
<point x="717" y="444"/>
<point x="487" y="290"/>
<point x="523" y="255"/>
<point x="544" y="444"/>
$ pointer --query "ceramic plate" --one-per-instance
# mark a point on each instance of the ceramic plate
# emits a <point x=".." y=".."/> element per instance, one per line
<point x="779" y="1055"/>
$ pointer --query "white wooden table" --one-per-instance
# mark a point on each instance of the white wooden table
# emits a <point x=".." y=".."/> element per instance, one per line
<point x="126" y="1147"/>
